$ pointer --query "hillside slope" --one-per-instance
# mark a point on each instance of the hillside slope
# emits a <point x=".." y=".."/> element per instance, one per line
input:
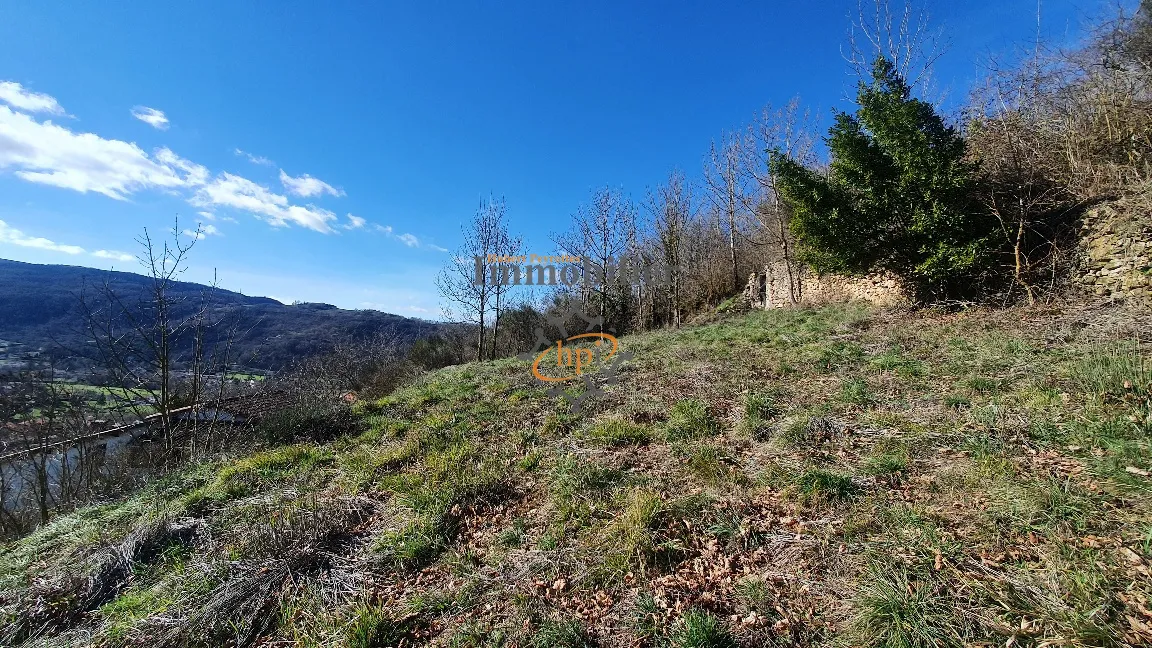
<point x="40" y="308"/>
<point x="841" y="476"/>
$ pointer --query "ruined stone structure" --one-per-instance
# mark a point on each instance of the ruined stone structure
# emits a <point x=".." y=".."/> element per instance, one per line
<point x="1113" y="261"/>
<point x="773" y="287"/>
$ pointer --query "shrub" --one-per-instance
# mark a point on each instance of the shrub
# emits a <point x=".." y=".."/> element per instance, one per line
<point x="898" y="196"/>
<point x="310" y="419"/>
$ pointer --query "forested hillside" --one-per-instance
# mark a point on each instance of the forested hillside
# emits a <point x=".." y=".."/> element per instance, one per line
<point x="41" y="307"/>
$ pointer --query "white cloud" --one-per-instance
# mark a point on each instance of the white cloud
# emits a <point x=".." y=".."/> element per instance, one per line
<point x="254" y="159"/>
<point x="228" y="190"/>
<point x="417" y="309"/>
<point x="306" y="186"/>
<point x="154" y="118"/>
<point x="14" y="236"/>
<point x="15" y="95"/>
<point x="114" y="255"/>
<point x="407" y="239"/>
<point x="203" y="231"/>
<point x="45" y="153"/>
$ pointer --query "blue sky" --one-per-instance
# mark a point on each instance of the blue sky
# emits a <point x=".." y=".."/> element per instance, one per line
<point x="333" y="150"/>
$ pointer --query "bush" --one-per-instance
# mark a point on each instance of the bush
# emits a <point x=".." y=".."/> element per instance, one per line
<point x="310" y="419"/>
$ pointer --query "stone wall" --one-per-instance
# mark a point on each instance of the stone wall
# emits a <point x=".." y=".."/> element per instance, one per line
<point x="770" y="288"/>
<point x="1116" y="250"/>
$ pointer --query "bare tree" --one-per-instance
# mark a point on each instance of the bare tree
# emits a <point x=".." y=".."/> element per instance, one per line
<point x="671" y="210"/>
<point x="466" y="287"/>
<point x="41" y="416"/>
<point x="1056" y="132"/>
<point x="728" y="195"/>
<point x="603" y="234"/>
<point x="791" y="131"/>
<point x="903" y="35"/>
<point x="152" y="345"/>
<point x="509" y="245"/>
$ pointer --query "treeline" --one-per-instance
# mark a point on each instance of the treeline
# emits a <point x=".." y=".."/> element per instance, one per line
<point x="982" y="208"/>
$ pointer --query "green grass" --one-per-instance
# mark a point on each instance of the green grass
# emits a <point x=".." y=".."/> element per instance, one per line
<point x="561" y="634"/>
<point x="699" y="629"/>
<point x="760" y="409"/>
<point x="895" y="609"/>
<point x="708" y="462"/>
<point x="579" y="487"/>
<point x="618" y="432"/>
<point x="629" y="543"/>
<point x="822" y="486"/>
<point x="887" y="461"/>
<point x="373" y="627"/>
<point x="690" y="419"/>
<point x="856" y="391"/>
<point x="1114" y="370"/>
<point x="940" y="480"/>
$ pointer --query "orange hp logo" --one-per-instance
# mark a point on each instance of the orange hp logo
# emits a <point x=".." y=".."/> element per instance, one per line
<point x="578" y="358"/>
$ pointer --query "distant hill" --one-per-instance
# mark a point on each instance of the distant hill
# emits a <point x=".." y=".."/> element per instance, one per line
<point x="40" y="308"/>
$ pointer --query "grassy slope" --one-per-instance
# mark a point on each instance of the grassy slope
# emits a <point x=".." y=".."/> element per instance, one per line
<point x="835" y="476"/>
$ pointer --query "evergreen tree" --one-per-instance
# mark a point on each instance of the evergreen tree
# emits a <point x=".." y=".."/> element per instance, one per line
<point x="897" y="196"/>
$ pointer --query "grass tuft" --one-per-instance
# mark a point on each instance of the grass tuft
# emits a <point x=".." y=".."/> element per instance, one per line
<point x="690" y="419"/>
<point x="619" y="432"/>
<point x="895" y="610"/>
<point x="822" y="486"/>
<point x="699" y="629"/>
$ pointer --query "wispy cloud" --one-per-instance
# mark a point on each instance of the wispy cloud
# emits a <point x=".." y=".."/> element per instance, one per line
<point x="354" y="222"/>
<point x="228" y="190"/>
<point x="203" y="231"/>
<point x="154" y="118"/>
<point x="114" y="255"/>
<point x="306" y="186"/>
<point x="18" y="97"/>
<point x="12" y="236"/>
<point x="411" y="240"/>
<point x="254" y="159"/>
